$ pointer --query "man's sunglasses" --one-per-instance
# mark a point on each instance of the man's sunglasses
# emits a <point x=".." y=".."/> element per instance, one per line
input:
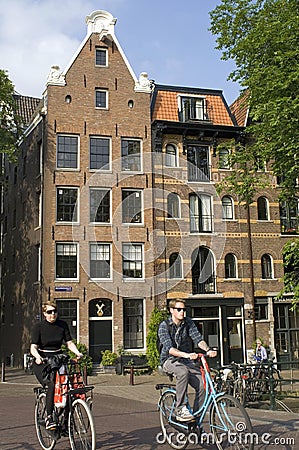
<point x="51" y="311"/>
<point x="180" y="309"/>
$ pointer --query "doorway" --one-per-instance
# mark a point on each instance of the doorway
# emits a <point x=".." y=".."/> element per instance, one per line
<point x="100" y="327"/>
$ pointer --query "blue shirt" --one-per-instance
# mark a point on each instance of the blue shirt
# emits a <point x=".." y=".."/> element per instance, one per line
<point x="182" y="337"/>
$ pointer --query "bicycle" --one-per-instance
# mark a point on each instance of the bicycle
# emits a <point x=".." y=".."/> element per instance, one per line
<point x="229" y="423"/>
<point x="254" y="381"/>
<point x="73" y="414"/>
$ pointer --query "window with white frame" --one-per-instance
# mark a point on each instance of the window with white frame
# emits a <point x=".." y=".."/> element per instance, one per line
<point x="101" y="98"/>
<point x="224" y="159"/>
<point x="171" y="155"/>
<point x="230" y="263"/>
<point x="173" y="205"/>
<point x="131" y="206"/>
<point x="133" y="323"/>
<point x="99" y="153"/>
<point x="198" y="163"/>
<point x="101" y="57"/>
<point x="267" y="267"/>
<point x="67" y="309"/>
<point x="100" y="260"/>
<point x="66" y="260"/>
<point x="132" y="255"/>
<point x="131" y="155"/>
<point x="200" y="213"/>
<point x="262" y="208"/>
<point x="99" y="205"/>
<point x="193" y="108"/>
<point x="67" y="151"/>
<point x="175" y="266"/>
<point x="227" y="208"/>
<point x="66" y="204"/>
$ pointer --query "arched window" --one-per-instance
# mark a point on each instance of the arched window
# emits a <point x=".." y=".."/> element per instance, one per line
<point x="230" y="263"/>
<point x="262" y="208"/>
<point x="224" y="159"/>
<point x="203" y="271"/>
<point x="171" y="159"/>
<point x="227" y="208"/>
<point x="175" y="266"/>
<point x="173" y="205"/>
<point x="267" y="267"/>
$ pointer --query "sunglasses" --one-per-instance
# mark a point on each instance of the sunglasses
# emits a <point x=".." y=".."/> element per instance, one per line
<point x="51" y="311"/>
<point x="180" y="309"/>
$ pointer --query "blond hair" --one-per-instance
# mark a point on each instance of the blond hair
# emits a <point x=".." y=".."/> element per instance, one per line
<point x="174" y="301"/>
<point x="48" y="303"/>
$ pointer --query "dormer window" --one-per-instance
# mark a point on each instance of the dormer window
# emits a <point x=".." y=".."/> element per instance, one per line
<point x="193" y="108"/>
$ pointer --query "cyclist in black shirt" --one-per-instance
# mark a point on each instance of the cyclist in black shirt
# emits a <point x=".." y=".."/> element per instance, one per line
<point x="47" y="338"/>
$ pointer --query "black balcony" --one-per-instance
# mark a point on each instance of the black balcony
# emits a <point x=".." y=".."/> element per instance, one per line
<point x="205" y="287"/>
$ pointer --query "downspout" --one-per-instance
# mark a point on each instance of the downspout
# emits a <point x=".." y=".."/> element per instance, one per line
<point x="251" y="271"/>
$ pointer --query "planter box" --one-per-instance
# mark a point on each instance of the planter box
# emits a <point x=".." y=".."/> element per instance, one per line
<point x="125" y="361"/>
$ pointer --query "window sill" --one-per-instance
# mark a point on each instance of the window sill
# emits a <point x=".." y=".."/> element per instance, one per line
<point x="134" y="280"/>
<point x="64" y="222"/>
<point x="95" y="280"/>
<point x="269" y="279"/>
<point x="231" y="279"/>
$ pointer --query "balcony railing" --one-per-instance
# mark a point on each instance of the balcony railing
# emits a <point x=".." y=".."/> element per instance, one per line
<point x="206" y="287"/>
<point x="289" y="226"/>
<point x="198" y="173"/>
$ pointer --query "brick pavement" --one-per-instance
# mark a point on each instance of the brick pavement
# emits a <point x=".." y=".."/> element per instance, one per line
<point x="112" y="390"/>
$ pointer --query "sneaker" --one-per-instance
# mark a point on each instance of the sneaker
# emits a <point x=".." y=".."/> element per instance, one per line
<point x="184" y="415"/>
<point x="50" y="424"/>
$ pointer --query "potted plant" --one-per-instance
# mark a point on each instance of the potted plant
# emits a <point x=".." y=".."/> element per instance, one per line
<point x="108" y="361"/>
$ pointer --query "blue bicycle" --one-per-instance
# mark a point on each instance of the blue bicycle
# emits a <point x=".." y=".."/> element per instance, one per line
<point x="229" y="424"/>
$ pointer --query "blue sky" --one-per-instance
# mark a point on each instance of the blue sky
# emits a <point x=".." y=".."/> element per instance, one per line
<point x="168" y="39"/>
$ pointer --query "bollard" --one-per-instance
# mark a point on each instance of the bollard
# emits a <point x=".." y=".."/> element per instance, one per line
<point x="131" y="376"/>
<point x="85" y="375"/>
<point x="3" y="372"/>
<point x="11" y="360"/>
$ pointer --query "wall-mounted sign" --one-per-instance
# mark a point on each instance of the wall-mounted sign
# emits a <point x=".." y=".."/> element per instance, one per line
<point x="63" y="288"/>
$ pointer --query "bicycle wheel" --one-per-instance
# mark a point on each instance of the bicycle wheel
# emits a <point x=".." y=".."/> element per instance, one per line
<point x="81" y="426"/>
<point x="174" y="434"/>
<point x="239" y="391"/>
<point x="230" y="424"/>
<point x="46" y="440"/>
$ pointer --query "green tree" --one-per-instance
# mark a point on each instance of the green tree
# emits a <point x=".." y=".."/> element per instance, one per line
<point x="152" y="354"/>
<point x="291" y="270"/>
<point x="10" y="123"/>
<point x="262" y="38"/>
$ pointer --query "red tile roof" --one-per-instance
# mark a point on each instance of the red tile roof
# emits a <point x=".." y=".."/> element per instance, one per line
<point x="166" y="107"/>
<point x="239" y="109"/>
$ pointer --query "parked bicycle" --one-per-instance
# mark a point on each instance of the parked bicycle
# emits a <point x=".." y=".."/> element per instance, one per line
<point x="253" y="381"/>
<point x="72" y="411"/>
<point x="229" y="423"/>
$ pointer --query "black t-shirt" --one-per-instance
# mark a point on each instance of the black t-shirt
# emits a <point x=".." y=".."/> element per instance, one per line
<point x="50" y="336"/>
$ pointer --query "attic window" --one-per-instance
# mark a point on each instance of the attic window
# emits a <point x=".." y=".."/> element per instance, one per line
<point x="193" y="108"/>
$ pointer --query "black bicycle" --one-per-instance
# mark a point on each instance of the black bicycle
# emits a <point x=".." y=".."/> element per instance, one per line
<point x="73" y="416"/>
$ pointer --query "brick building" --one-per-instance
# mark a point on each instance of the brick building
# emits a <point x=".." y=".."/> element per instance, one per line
<point x="112" y="208"/>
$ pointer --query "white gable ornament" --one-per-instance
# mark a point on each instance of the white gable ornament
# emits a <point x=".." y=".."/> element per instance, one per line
<point x="56" y="77"/>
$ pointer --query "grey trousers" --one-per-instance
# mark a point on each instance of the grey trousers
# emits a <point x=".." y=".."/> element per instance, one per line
<point x="186" y="373"/>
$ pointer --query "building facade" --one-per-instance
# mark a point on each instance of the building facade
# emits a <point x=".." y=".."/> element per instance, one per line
<point x="112" y="209"/>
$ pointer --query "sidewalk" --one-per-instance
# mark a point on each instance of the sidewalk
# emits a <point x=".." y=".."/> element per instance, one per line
<point x="17" y="382"/>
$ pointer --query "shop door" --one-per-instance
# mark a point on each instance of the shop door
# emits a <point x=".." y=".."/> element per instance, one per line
<point x="232" y="334"/>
